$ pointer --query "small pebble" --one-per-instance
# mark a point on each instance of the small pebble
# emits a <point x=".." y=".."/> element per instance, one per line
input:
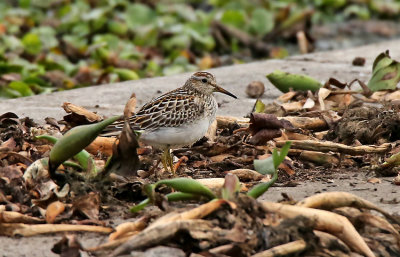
<point x="255" y="89"/>
<point x="359" y="61"/>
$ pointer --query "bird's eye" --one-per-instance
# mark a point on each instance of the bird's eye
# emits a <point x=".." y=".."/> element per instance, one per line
<point x="204" y="80"/>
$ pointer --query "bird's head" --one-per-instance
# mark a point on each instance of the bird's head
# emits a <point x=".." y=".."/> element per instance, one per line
<point x="205" y="83"/>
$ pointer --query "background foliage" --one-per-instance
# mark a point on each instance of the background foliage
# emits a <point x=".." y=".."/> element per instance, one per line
<point x="48" y="45"/>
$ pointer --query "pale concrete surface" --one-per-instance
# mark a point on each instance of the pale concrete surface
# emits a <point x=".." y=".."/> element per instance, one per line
<point x="110" y="99"/>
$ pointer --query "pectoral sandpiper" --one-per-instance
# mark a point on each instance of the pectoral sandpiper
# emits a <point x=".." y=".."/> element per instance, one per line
<point x="178" y="118"/>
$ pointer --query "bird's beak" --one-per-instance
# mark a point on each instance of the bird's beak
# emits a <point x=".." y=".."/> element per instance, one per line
<point x="221" y="90"/>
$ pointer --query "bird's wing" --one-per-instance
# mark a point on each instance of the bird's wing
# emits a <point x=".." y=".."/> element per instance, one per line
<point x="169" y="110"/>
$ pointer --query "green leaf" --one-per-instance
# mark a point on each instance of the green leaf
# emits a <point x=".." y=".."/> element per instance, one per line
<point x="269" y="166"/>
<point x="187" y="185"/>
<point x="179" y="41"/>
<point x="385" y="78"/>
<point x="381" y="61"/>
<point x="140" y="206"/>
<point x="47" y="36"/>
<point x="259" y="107"/>
<point x="265" y="166"/>
<point x="362" y="12"/>
<point x="75" y="140"/>
<point x="21" y="87"/>
<point x="284" y="81"/>
<point x="9" y="68"/>
<point x="117" y="27"/>
<point x="24" y="3"/>
<point x="32" y="43"/>
<point x="262" y="22"/>
<point x="83" y="157"/>
<point x="261" y="188"/>
<point x="126" y="74"/>
<point x="279" y="157"/>
<point x="138" y="15"/>
<point x="234" y="18"/>
<point x="171" y="197"/>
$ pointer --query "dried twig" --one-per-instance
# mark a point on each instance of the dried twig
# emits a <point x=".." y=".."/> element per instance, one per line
<point x="13" y="229"/>
<point x="329" y="146"/>
<point x="283" y="250"/>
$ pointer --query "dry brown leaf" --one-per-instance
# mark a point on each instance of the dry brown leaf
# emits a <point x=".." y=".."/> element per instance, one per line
<point x="88" y="205"/>
<point x="288" y="135"/>
<point x="374" y="180"/>
<point x="293" y="106"/>
<point x="79" y="110"/>
<point x="130" y="106"/>
<point x="286" y="97"/>
<point x="101" y="144"/>
<point x="379" y="95"/>
<point x="246" y="174"/>
<point x="68" y="246"/>
<point x="220" y="157"/>
<point x="264" y="135"/>
<point x="206" y="62"/>
<point x="310" y="103"/>
<point x="393" y="96"/>
<point x="53" y="210"/>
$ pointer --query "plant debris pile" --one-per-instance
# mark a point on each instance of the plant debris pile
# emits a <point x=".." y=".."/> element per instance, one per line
<point x="58" y="177"/>
<point x="369" y="125"/>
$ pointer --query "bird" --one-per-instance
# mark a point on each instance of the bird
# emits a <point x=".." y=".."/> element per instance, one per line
<point x="177" y="118"/>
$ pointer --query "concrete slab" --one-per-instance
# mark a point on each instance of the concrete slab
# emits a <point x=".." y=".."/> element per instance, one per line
<point x="110" y="99"/>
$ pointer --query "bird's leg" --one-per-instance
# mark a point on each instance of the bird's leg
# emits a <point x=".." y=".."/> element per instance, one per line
<point x="171" y="162"/>
<point x="167" y="161"/>
<point x="164" y="159"/>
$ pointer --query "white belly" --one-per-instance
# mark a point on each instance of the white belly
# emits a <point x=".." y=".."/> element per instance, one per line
<point x="177" y="136"/>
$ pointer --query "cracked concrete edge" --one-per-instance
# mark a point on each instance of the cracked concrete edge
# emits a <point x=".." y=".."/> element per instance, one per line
<point x="110" y="99"/>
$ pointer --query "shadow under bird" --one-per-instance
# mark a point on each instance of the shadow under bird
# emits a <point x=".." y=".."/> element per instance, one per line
<point x="177" y="118"/>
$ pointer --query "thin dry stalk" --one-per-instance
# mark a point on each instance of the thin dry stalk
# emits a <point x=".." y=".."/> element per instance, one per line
<point x="328" y="146"/>
<point x="16" y="217"/>
<point x="196" y="213"/>
<point x="112" y="244"/>
<point x="129" y="227"/>
<point x="14" y="229"/>
<point x="283" y="250"/>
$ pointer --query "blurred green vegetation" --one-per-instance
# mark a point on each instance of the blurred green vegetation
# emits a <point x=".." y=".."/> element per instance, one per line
<point x="48" y="45"/>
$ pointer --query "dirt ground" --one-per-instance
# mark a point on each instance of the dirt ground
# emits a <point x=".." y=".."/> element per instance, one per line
<point x="383" y="194"/>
